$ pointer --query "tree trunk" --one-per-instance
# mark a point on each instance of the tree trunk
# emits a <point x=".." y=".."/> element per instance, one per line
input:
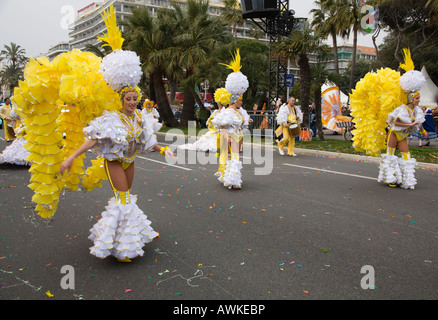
<point x="374" y="37"/>
<point x="318" y="116"/>
<point x="335" y="52"/>
<point x="152" y="96"/>
<point x="164" y="109"/>
<point x="198" y="100"/>
<point x="305" y="87"/>
<point x="173" y="86"/>
<point x="188" y="111"/>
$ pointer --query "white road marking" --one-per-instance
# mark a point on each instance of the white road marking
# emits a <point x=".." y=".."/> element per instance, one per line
<point x="164" y="163"/>
<point x="330" y="171"/>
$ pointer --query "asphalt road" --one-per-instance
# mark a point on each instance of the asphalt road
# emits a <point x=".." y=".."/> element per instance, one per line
<point x="314" y="228"/>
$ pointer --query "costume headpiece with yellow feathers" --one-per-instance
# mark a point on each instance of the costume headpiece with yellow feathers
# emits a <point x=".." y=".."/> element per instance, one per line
<point x="411" y="81"/>
<point x="121" y="68"/>
<point x="236" y="83"/>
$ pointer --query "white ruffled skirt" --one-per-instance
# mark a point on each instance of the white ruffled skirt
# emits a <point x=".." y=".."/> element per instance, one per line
<point x="407" y="168"/>
<point x="232" y="177"/>
<point x="205" y="143"/>
<point x="15" y="153"/>
<point x="122" y="231"/>
<point x="394" y="170"/>
<point x="389" y="170"/>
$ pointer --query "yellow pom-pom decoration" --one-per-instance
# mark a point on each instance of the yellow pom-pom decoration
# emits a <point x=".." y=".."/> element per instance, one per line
<point x="222" y="96"/>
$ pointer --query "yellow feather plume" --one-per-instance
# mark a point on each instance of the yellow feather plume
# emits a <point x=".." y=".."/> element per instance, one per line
<point x="409" y="64"/>
<point x="235" y="64"/>
<point x="113" y="38"/>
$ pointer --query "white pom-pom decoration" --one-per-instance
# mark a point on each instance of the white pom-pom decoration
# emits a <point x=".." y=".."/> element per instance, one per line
<point x="412" y="81"/>
<point x="121" y="68"/>
<point x="236" y="83"/>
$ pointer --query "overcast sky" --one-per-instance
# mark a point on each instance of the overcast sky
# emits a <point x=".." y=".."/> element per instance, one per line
<point x="36" y="25"/>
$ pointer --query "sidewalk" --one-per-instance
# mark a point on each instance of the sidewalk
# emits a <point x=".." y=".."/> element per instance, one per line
<point x="354" y="157"/>
<point x="412" y="143"/>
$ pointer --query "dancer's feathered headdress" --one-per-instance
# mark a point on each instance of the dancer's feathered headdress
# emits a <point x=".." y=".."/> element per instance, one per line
<point x="412" y="80"/>
<point x="236" y="83"/>
<point x="121" y="68"/>
<point x="113" y="38"/>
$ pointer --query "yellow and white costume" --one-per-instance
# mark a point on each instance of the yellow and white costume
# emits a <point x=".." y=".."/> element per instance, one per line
<point x="287" y="115"/>
<point x="376" y="103"/>
<point x="8" y="121"/>
<point x="76" y="96"/>
<point x="15" y="153"/>
<point x="206" y="142"/>
<point x="124" y="228"/>
<point x="148" y="108"/>
<point x="230" y="123"/>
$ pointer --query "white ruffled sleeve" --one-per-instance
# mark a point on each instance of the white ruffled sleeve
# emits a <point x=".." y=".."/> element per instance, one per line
<point x="228" y="120"/>
<point x="217" y="120"/>
<point x="282" y="115"/>
<point x="419" y="115"/>
<point x="149" y="124"/>
<point x="110" y="134"/>
<point x="400" y="114"/>
<point x="245" y="118"/>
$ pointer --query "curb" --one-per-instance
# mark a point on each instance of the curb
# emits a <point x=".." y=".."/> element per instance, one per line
<point x="346" y="156"/>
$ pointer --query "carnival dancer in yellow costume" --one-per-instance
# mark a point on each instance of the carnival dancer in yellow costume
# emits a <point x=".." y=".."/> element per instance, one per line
<point x="80" y="102"/>
<point x="289" y="118"/>
<point x="230" y="123"/>
<point x="8" y="122"/>
<point x="382" y="101"/>
<point x="148" y="108"/>
<point x="117" y="136"/>
<point x="15" y="153"/>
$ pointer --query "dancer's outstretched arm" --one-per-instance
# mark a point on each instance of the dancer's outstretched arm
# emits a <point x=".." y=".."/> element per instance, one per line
<point x="88" y="144"/>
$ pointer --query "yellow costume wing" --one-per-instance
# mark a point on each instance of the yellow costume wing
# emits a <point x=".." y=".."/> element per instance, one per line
<point x="375" y="96"/>
<point x="56" y="100"/>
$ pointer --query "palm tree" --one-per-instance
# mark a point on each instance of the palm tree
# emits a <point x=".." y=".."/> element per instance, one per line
<point x="10" y="77"/>
<point x="349" y="10"/>
<point x="195" y="37"/>
<point x="327" y="22"/>
<point x="297" y="46"/>
<point x="232" y="12"/>
<point x="144" y="36"/>
<point x="16" y="59"/>
<point x="99" y="50"/>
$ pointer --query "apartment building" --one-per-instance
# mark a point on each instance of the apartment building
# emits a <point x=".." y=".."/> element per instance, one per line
<point x="345" y="54"/>
<point x="89" y="23"/>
